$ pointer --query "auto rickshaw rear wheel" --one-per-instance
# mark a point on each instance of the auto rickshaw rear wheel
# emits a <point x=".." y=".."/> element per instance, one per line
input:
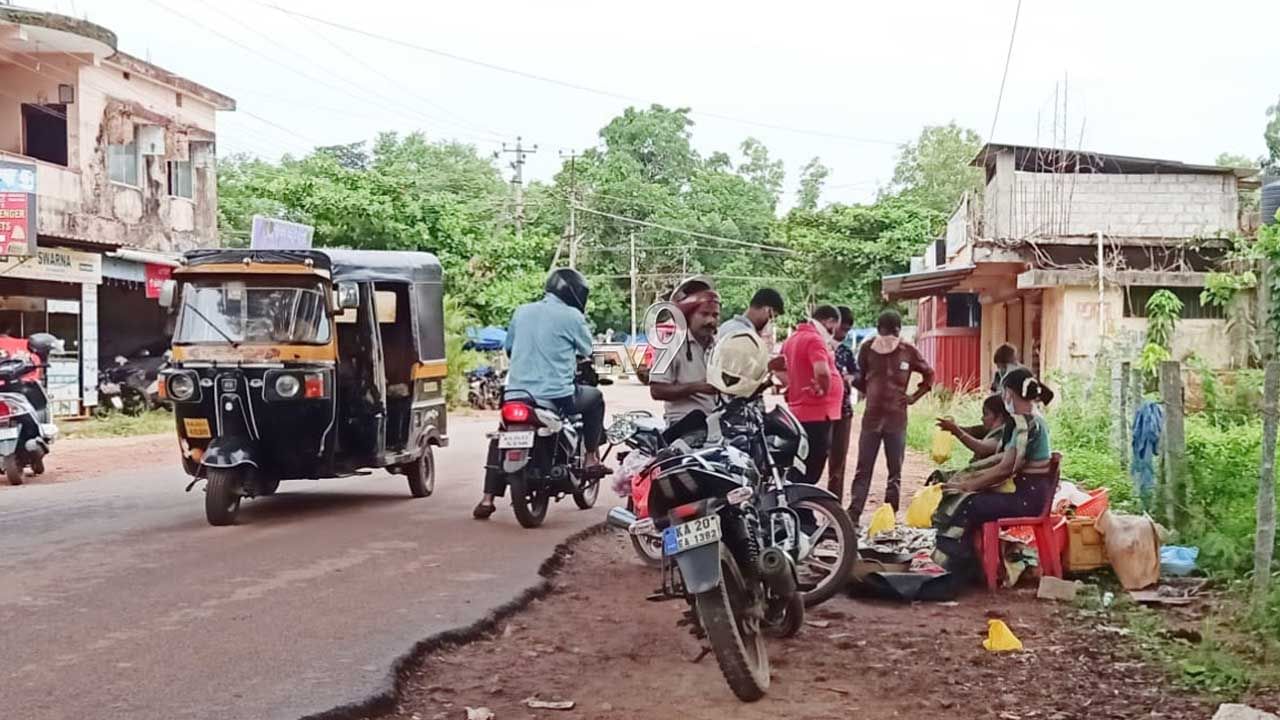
<point x="422" y="474"/>
<point x="222" y="495"/>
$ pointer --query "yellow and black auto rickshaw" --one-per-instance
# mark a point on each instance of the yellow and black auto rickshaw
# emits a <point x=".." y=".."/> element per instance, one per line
<point x="305" y="364"/>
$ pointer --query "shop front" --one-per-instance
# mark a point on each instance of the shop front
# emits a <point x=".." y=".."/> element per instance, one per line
<point x="56" y="291"/>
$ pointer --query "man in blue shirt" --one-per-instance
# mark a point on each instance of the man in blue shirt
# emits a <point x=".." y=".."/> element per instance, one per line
<point x="545" y="339"/>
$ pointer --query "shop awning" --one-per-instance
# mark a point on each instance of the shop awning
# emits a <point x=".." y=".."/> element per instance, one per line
<point x="910" y="286"/>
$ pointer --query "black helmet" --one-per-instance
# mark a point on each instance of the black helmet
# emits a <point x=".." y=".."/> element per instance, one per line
<point x="570" y="286"/>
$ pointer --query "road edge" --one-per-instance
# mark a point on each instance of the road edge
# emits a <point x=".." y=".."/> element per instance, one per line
<point x="383" y="700"/>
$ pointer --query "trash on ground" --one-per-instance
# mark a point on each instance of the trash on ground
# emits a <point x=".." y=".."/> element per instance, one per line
<point x="536" y="704"/>
<point x="1000" y="638"/>
<point x="1176" y="591"/>
<point x="820" y="624"/>
<point x="1233" y="711"/>
<point x="1177" y="560"/>
<point x="1052" y="588"/>
<point x="480" y="713"/>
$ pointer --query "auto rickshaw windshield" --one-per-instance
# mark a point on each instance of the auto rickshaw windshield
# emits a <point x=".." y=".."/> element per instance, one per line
<point x="222" y="311"/>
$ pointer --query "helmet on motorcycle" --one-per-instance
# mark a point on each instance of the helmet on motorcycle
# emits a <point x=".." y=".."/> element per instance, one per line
<point x="739" y="364"/>
<point x="570" y="286"/>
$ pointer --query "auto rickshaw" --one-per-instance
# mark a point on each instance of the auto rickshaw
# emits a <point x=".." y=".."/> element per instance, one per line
<point x="305" y="364"/>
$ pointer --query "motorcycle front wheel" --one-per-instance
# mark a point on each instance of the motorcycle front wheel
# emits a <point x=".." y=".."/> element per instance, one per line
<point x="833" y="549"/>
<point x="734" y="636"/>
<point x="528" y="503"/>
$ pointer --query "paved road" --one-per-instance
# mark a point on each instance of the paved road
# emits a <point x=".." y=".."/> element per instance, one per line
<point x="117" y="600"/>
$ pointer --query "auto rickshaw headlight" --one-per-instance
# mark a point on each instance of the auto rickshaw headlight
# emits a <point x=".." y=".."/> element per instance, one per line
<point x="287" y="386"/>
<point x="182" y="387"/>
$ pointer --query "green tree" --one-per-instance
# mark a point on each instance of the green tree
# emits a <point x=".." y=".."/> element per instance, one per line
<point x="934" y="171"/>
<point x="760" y="169"/>
<point x="1272" y="137"/>
<point x="1234" y="160"/>
<point x="812" y="176"/>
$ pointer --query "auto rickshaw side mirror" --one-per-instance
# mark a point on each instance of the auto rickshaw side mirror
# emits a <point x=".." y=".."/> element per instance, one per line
<point x="348" y="295"/>
<point x="167" y="290"/>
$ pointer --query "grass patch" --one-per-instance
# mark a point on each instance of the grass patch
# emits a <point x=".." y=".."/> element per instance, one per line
<point x="118" y="425"/>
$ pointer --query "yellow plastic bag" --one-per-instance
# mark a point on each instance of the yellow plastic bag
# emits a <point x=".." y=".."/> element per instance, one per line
<point x="923" y="505"/>
<point x="882" y="520"/>
<point x="940" y="449"/>
<point x="1000" y="638"/>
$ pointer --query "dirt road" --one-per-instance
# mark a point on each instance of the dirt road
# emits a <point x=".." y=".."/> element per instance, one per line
<point x="597" y="643"/>
<point x="117" y="600"/>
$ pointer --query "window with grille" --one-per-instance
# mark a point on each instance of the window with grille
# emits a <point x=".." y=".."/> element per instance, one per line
<point x="1136" y="297"/>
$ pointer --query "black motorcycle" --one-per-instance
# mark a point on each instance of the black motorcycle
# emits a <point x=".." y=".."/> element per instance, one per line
<point x="484" y="388"/>
<point x="131" y="385"/>
<point x="540" y="453"/>
<point x="26" y="425"/>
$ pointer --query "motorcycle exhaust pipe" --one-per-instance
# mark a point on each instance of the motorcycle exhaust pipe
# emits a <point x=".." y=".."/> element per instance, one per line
<point x="621" y="518"/>
<point x="777" y="572"/>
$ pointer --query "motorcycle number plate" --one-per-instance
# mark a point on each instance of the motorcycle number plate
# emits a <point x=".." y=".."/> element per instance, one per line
<point x="8" y="433"/>
<point x="702" y="531"/>
<point x="518" y="439"/>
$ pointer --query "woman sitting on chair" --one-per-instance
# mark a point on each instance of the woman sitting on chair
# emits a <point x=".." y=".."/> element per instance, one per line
<point x="1008" y="487"/>
<point x="986" y="441"/>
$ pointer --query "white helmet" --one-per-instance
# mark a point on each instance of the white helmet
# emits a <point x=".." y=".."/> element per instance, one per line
<point x="739" y="364"/>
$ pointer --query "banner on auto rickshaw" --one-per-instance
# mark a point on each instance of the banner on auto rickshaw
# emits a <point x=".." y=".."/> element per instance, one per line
<point x="273" y="234"/>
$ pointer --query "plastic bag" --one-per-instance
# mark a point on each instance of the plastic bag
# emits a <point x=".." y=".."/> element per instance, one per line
<point x="1000" y="638"/>
<point x="623" y="477"/>
<point x="940" y="447"/>
<point x="1177" y="560"/>
<point x="882" y="520"/>
<point x="923" y="505"/>
<point x="1133" y="548"/>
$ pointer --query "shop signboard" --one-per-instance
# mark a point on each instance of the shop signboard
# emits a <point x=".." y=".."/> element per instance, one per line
<point x="17" y="208"/>
<point x="272" y="234"/>
<point x="55" y="264"/>
<point x="156" y="275"/>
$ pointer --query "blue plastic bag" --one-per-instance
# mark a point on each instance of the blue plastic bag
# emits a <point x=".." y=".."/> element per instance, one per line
<point x="1178" y="561"/>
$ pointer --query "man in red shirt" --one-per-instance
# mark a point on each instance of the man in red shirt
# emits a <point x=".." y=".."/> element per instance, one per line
<point x="814" y="386"/>
<point x="885" y="364"/>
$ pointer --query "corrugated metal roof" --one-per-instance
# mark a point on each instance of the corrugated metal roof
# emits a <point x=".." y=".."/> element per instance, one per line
<point x="1031" y="158"/>
<point x="923" y="284"/>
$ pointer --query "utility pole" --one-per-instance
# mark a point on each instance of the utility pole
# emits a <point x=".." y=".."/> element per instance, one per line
<point x="517" y="180"/>
<point x="633" y="284"/>
<point x="572" y="155"/>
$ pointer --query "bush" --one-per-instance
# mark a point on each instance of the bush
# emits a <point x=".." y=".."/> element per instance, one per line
<point x="456" y="322"/>
<point x="1222" y="460"/>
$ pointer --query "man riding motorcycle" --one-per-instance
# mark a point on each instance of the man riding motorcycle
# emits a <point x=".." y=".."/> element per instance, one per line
<point x="683" y="386"/>
<point x="545" y="339"/>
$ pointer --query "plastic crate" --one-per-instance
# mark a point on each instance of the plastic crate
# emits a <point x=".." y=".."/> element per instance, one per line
<point x="1097" y="504"/>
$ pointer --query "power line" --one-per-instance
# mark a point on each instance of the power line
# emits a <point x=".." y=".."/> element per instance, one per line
<point x="690" y="233"/>
<point x="1004" y="77"/>
<point x="562" y="83"/>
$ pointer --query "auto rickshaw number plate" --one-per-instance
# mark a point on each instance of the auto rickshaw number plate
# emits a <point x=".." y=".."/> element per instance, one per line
<point x="197" y="428"/>
<point x="517" y="439"/>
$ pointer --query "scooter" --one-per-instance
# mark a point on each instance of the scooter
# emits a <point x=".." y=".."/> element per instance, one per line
<point x="26" y="426"/>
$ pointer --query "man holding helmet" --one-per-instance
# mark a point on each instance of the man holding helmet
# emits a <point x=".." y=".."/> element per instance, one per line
<point x="682" y="386"/>
<point x="545" y="339"/>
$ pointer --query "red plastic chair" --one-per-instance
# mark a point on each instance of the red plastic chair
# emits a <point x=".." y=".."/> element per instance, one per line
<point x="987" y="541"/>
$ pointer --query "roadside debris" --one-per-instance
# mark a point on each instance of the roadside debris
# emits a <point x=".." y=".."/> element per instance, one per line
<point x="536" y="704"/>
<point x="1052" y="588"/>
<point x="480" y="713"/>
<point x="1173" y="591"/>
<point x="1232" y="711"/>
<point x="1000" y="638"/>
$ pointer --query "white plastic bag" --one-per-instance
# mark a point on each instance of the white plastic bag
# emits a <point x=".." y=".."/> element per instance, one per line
<point x="632" y="464"/>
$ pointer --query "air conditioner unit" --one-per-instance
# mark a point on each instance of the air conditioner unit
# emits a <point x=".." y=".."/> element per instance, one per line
<point x="151" y="139"/>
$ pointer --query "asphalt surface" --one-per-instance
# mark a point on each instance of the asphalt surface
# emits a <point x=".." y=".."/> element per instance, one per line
<point x="117" y="600"/>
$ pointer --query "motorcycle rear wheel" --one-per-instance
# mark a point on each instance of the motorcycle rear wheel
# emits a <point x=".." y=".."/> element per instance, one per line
<point x="825" y="571"/>
<point x="739" y="647"/>
<point x="792" y="620"/>
<point x="135" y="401"/>
<point x="528" y="503"/>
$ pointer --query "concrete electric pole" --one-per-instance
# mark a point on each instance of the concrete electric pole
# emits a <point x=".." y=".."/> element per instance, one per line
<point x="573" y="206"/>
<point x="517" y="181"/>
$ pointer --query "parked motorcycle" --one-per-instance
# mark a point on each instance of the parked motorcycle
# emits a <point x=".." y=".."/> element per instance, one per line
<point x="131" y="385"/>
<point x="725" y="556"/>
<point x="484" y="388"/>
<point x="541" y="454"/>
<point x="26" y="425"/>
<point x="812" y="524"/>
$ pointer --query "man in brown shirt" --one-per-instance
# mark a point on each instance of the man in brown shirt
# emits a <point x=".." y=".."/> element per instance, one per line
<point x="885" y="364"/>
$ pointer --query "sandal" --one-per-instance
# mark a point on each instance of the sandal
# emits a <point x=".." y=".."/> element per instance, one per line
<point x="483" y="511"/>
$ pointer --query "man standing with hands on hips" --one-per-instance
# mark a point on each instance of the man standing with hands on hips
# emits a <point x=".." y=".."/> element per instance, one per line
<point x="885" y="364"/>
<point x="814" y="386"/>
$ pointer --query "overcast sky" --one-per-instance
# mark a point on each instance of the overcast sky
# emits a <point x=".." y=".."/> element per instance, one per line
<point x="1174" y="79"/>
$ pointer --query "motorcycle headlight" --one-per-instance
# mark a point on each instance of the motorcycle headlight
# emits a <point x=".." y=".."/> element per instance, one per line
<point x="287" y="386"/>
<point x="182" y="387"/>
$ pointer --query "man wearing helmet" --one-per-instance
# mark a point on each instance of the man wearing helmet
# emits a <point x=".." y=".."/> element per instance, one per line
<point x="545" y="339"/>
<point x="683" y="386"/>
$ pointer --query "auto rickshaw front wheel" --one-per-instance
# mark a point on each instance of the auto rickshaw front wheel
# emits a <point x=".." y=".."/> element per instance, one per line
<point x="222" y="495"/>
<point x="422" y="474"/>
